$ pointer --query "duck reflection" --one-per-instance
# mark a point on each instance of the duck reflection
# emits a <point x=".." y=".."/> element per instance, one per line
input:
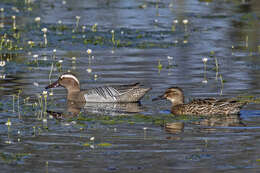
<point x="174" y="127"/>
<point x="222" y="121"/>
<point x="74" y="108"/>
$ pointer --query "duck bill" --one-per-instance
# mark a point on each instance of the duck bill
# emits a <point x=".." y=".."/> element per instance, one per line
<point x="56" y="115"/>
<point x="158" y="98"/>
<point x="53" y="85"/>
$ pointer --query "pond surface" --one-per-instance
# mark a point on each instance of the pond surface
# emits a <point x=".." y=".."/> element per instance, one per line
<point x="157" y="43"/>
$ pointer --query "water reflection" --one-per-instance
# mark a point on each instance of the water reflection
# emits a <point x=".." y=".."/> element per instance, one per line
<point x="174" y="127"/>
<point x="226" y="30"/>
<point x="222" y="121"/>
<point x="111" y="109"/>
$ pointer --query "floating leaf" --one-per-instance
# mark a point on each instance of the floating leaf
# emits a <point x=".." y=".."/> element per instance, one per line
<point x="159" y="65"/>
<point x="104" y="144"/>
<point x="86" y="144"/>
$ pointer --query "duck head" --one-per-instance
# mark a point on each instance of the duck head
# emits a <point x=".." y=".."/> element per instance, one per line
<point x="68" y="81"/>
<point x="174" y="94"/>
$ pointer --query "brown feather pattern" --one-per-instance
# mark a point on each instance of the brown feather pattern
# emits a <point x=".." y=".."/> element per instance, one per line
<point x="208" y="106"/>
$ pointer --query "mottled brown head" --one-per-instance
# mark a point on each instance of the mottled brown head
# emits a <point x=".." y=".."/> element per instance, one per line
<point x="68" y="81"/>
<point x="174" y="94"/>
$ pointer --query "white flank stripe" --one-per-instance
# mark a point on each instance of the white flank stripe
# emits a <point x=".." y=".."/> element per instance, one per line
<point x="70" y="76"/>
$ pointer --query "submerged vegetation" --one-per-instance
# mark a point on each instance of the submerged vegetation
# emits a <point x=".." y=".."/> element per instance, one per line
<point x="31" y="39"/>
<point x="158" y="43"/>
<point x="131" y="119"/>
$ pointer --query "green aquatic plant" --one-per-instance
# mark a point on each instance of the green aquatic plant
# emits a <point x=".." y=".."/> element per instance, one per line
<point x="159" y="66"/>
<point x="174" y="23"/>
<point x="171" y="63"/>
<point x="14" y="22"/>
<point x="2" y="41"/>
<point x="34" y="131"/>
<point x="94" y="27"/>
<point x="95" y="40"/>
<point x="44" y="30"/>
<point x="222" y="84"/>
<point x="54" y="53"/>
<point x="45" y="94"/>
<point x="8" y="123"/>
<point x="10" y="43"/>
<point x="59" y="66"/>
<point x="248" y="99"/>
<point x="83" y="28"/>
<point x="111" y="122"/>
<point x="2" y="24"/>
<point x="185" y="22"/>
<point x="130" y="119"/>
<point x="143" y="6"/>
<point x="61" y="27"/>
<point x="113" y="37"/>
<point x="115" y="42"/>
<point x="18" y="103"/>
<point x="13" y="102"/>
<point x="104" y="144"/>
<point x="10" y="158"/>
<point x="40" y="103"/>
<point x="37" y="20"/>
<point x="77" y="23"/>
<point x="89" y="52"/>
<point x="31" y="43"/>
<point x="157" y="7"/>
<point x="207" y="1"/>
<point x="204" y="60"/>
<point x="86" y="144"/>
<point x="217" y="67"/>
<point x="246" y="42"/>
<point x="45" y="121"/>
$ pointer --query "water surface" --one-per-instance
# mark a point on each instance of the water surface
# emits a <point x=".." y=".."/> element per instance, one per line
<point x="145" y="34"/>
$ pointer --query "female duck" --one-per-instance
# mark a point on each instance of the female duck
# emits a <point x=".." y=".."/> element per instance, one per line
<point x="207" y="107"/>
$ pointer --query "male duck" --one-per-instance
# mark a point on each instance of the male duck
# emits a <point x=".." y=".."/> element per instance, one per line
<point x="207" y="107"/>
<point x="118" y="94"/>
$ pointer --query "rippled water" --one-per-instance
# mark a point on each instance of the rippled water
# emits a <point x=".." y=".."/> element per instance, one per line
<point x="223" y="31"/>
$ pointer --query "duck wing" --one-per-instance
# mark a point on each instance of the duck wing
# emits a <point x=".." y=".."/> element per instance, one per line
<point x="108" y="93"/>
<point x="207" y="101"/>
<point x="123" y="89"/>
<point x="212" y="106"/>
<point x="215" y="102"/>
<point x="228" y="102"/>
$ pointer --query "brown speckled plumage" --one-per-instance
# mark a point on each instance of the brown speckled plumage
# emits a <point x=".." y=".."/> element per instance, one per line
<point x="207" y="107"/>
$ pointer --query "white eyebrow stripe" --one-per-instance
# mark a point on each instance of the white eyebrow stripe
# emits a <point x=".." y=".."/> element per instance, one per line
<point x="70" y="76"/>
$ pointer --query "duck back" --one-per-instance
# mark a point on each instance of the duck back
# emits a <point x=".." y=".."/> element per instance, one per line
<point x="207" y="107"/>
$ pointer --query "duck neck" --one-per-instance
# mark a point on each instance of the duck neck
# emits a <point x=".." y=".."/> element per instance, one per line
<point x="177" y="101"/>
<point x="73" y="93"/>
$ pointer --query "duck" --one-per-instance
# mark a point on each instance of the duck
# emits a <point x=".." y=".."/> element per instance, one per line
<point x="105" y="94"/>
<point x="200" y="107"/>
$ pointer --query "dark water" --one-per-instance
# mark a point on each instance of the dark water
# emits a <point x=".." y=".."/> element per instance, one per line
<point x="226" y="31"/>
